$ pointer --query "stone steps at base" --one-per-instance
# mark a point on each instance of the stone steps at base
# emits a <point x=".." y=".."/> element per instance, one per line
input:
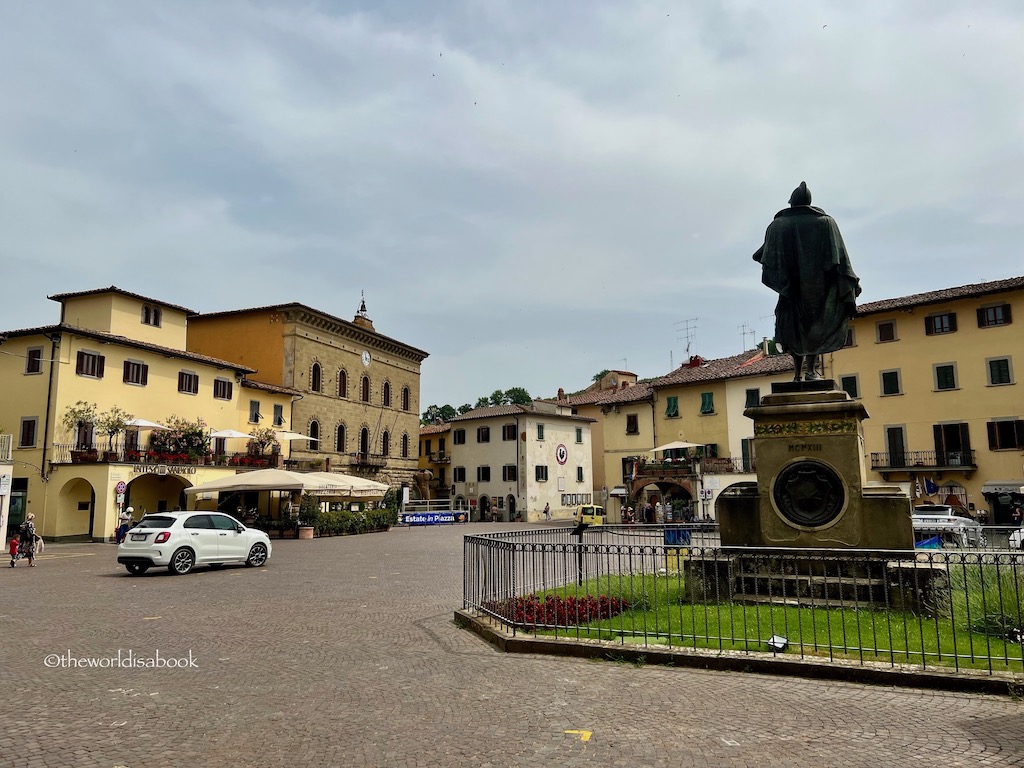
<point x="802" y="602"/>
<point x="837" y="580"/>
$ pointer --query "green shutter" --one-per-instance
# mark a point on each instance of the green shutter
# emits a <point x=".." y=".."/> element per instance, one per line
<point x="707" y="402"/>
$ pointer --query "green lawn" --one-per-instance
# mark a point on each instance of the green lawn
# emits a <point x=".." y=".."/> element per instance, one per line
<point x="661" y="613"/>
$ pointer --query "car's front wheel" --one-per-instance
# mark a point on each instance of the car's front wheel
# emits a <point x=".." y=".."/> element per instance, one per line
<point x="182" y="562"/>
<point x="257" y="556"/>
<point x="136" y="569"/>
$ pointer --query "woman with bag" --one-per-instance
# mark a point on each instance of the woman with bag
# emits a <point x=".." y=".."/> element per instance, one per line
<point x="28" y="540"/>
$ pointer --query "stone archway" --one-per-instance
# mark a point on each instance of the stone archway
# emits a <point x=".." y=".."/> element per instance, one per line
<point x="76" y="510"/>
<point x="156" y="493"/>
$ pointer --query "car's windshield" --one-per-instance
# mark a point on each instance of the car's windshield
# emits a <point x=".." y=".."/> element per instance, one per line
<point x="156" y="521"/>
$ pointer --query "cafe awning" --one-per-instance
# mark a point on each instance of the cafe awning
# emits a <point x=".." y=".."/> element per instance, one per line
<point x="1003" y="486"/>
<point x="263" y="480"/>
<point x="677" y="445"/>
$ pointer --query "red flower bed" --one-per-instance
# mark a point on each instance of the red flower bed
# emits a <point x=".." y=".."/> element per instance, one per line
<point x="562" y="611"/>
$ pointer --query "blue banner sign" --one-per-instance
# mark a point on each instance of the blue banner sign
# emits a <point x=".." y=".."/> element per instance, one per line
<point x="433" y="518"/>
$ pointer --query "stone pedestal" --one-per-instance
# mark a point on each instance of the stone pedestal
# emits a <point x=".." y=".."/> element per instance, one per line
<point x="810" y="489"/>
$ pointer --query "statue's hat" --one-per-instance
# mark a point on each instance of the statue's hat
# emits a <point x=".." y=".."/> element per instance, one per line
<point x="801" y="195"/>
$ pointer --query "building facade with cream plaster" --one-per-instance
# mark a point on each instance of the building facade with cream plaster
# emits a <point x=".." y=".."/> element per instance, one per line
<point x="509" y="461"/>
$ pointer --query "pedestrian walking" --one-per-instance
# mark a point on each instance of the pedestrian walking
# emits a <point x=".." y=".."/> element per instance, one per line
<point x="27" y="536"/>
<point x="12" y="550"/>
<point x="547" y="512"/>
<point x="124" y="522"/>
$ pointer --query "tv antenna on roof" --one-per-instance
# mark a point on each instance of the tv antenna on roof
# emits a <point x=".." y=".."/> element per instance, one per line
<point x="745" y="330"/>
<point x="688" y="329"/>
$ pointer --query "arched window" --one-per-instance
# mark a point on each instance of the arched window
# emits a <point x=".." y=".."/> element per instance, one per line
<point x="405" y="445"/>
<point x="339" y="440"/>
<point x="385" y="444"/>
<point x="405" y="398"/>
<point x="364" y="440"/>
<point x="387" y="394"/>
<point x="314" y="435"/>
<point x="342" y="383"/>
<point x="365" y="394"/>
<point x="315" y="377"/>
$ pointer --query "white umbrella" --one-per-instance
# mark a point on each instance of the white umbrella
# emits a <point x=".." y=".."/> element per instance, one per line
<point x="677" y="445"/>
<point x="285" y="435"/>
<point x="225" y="433"/>
<point x="144" y="424"/>
<point x="265" y="480"/>
<point x="349" y="486"/>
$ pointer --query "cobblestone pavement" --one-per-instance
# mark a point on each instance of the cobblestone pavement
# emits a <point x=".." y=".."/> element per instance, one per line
<point x="343" y="652"/>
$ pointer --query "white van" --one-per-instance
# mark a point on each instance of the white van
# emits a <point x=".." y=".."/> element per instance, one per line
<point x="944" y="524"/>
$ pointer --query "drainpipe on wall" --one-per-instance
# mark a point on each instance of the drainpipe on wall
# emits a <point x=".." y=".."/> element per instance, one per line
<point x="54" y="344"/>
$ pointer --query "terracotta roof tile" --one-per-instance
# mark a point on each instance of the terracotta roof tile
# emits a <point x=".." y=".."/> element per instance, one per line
<point x="114" y="289"/>
<point x="750" y="363"/>
<point x="434" y="429"/>
<point x="127" y="342"/>
<point x="944" y="295"/>
<point x="263" y="386"/>
<point x="631" y="394"/>
<point x="294" y="305"/>
<point x="538" y="407"/>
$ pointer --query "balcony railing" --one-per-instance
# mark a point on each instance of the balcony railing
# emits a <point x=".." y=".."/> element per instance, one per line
<point x="370" y="460"/>
<point x="911" y="461"/>
<point x="439" y="457"/>
<point x="71" y="453"/>
<point x="673" y="468"/>
<point x="724" y="466"/>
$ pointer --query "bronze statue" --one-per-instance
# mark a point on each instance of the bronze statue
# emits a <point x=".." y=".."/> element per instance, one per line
<point x="804" y="260"/>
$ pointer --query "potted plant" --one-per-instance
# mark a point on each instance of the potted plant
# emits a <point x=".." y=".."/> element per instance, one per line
<point x="309" y="511"/>
<point x="80" y="419"/>
<point x="183" y="441"/>
<point x="262" y="438"/>
<point x="112" y="423"/>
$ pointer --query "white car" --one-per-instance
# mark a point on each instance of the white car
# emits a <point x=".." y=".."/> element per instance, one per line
<point x="183" y="540"/>
<point x="947" y="523"/>
<point x="1017" y="539"/>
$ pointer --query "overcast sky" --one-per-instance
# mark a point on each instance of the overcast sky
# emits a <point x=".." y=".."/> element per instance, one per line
<point x="529" y="191"/>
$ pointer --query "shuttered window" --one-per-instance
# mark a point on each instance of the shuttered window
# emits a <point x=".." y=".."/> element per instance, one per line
<point x="89" y="364"/>
<point x="136" y="372"/>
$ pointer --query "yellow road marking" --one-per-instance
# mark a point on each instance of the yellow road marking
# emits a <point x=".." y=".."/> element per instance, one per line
<point x="584" y="735"/>
<point x="151" y="618"/>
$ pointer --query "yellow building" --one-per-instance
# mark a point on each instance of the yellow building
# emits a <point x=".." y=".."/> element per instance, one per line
<point x="700" y="403"/>
<point x="586" y="403"/>
<point x="936" y="374"/>
<point x="360" y="389"/>
<point x="115" y="352"/>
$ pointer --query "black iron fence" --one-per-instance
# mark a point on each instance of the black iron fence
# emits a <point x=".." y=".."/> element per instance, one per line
<point x="672" y="587"/>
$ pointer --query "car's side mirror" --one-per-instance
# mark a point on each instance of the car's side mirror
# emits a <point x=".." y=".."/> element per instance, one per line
<point x="240" y="528"/>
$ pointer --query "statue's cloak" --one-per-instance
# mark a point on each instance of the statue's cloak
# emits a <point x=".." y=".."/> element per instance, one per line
<point x="804" y="260"/>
